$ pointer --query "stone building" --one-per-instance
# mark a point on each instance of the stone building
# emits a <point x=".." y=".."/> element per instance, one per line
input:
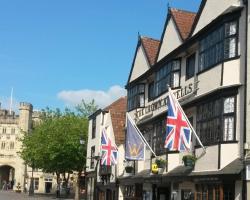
<point x="102" y="180"/>
<point x="12" y="167"/>
<point x="203" y="57"/>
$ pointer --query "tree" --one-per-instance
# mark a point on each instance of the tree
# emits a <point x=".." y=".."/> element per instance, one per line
<point x="86" y="109"/>
<point x="54" y="144"/>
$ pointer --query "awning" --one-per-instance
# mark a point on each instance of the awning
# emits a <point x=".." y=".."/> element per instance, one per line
<point x="182" y="173"/>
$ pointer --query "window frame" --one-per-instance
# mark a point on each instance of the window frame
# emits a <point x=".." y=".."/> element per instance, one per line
<point x="151" y="97"/>
<point x="220" y="117"/>
<point x="222" y="41"/>
<point x="231" y="114"/>
<point x="167" y="77"/>
<point x="134" y="95"/>
<point x="158" y="137"/>
<point x="193" y="55"/>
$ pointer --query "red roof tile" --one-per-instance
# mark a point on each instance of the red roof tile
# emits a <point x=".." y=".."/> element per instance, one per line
<point x="151" y="47"/>
<point x="118" y="116"/>
<point x="184" y="21"/>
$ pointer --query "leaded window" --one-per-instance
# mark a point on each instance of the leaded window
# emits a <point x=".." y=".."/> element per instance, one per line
<point x="190" y="66"/>
<point x="136" y="97"/>
<point x="168" y="75"/>
<point x="150" y="91"/>
<point x="219" y="45"/>
<point x="228" y="118"/>
<point x="159" y="136"/>
<point x="216" y="120"/>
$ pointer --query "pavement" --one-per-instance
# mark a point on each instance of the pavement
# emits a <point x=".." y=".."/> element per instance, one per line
<point x="10" y="195"/>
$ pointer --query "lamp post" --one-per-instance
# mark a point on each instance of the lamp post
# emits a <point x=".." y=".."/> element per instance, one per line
<point x="97" y="158"/>
<point x="31" y="190"/>
<point x="82" y="142"/>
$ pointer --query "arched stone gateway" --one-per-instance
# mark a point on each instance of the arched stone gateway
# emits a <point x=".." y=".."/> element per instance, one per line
<point x="7" y="177"/>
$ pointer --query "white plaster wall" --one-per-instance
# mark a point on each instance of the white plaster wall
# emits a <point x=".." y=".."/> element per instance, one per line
<point x="209" y="161"/>
<point x="231" y="74"/>
<point x="170" y="41"/>
<point x="229" y="152"/>
<point x="120" y="194"/>
<point x="141" y="64"/>
<point x="213" y="9"/>
<point x="240" y="110"/>
<point x="147" y="159"/>
<point x="120" y="165"/>
<point x="173" y="160"/>
<point x="140" y="165"/>
<point x="94" y="141"/>
<point x="209" y="80"/>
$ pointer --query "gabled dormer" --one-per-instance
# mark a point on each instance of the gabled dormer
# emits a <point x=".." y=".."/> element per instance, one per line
<point x="144" y="58"/>
<point x="176" y="30"/>
<point x="210" y="10"/>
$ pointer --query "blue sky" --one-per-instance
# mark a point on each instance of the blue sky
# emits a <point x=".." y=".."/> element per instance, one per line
<point x="55" y="52"/>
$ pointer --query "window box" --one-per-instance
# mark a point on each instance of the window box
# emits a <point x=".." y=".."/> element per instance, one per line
<point x="189" y="160"/>
<point x="129" y="169"/>
<point x="160" y="163"/>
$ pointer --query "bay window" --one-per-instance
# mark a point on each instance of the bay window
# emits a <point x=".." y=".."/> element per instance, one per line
<point x="219" y="45"/>
<point x="136" y="97"/>
<point x="216" y="120"/>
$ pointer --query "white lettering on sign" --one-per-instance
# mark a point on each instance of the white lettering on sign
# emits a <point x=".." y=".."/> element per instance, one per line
<point x="182" y="92"/>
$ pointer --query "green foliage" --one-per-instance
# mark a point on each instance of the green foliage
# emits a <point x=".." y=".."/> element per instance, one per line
<point x="86" y="109"/>
<point x="54" y="144"/>
<point x="189" y="157"/>
<point x="160" y="162"/>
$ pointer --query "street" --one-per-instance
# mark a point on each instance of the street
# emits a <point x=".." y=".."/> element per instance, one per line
<point x="10" y="195"/>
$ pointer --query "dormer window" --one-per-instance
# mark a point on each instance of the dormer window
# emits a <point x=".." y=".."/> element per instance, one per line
<point x="136" y="97"/>
<point x="168" y="75"/>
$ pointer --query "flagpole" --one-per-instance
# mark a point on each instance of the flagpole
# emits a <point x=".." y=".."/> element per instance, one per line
<point x="190" y="125"/>
<point x="140" y="134"/>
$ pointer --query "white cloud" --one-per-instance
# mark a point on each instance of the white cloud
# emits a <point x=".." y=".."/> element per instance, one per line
<point x="102" y="98"/>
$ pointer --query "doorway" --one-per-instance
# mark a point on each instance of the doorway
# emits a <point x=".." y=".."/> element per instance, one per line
<point x="48" y="187"/>
<point x="163" y="194"/>
<point x="7" y="174"/>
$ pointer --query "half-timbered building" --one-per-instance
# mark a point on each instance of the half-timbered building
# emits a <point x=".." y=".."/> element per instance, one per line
<point x="202" y="57"/>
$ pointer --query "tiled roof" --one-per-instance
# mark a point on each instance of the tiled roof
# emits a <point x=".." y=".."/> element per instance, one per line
<point x="184" y="21"/>
<point x="118" y="116"/>
<point x="151" y="47"/>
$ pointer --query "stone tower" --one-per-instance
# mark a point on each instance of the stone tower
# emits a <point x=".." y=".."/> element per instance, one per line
<point x="24" y="126"/>
<point x="25" y="116"/>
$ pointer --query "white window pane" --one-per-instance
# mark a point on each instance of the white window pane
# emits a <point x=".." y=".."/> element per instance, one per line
<point x="228" y="129"/>
<point x="229" y="105"/>
<point x="232" y="29"/>
<point x="232" y="47"/>
<point x="141" y="100"/>
<point x="176" y="79"/>
<point x="176" y="65"/>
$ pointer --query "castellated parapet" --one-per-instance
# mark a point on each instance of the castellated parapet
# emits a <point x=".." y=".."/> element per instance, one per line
<point x="25" y="106"/>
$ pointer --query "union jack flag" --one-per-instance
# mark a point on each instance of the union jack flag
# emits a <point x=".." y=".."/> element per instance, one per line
<point x="178" y="132"/>
<point x="109" y="151"/>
